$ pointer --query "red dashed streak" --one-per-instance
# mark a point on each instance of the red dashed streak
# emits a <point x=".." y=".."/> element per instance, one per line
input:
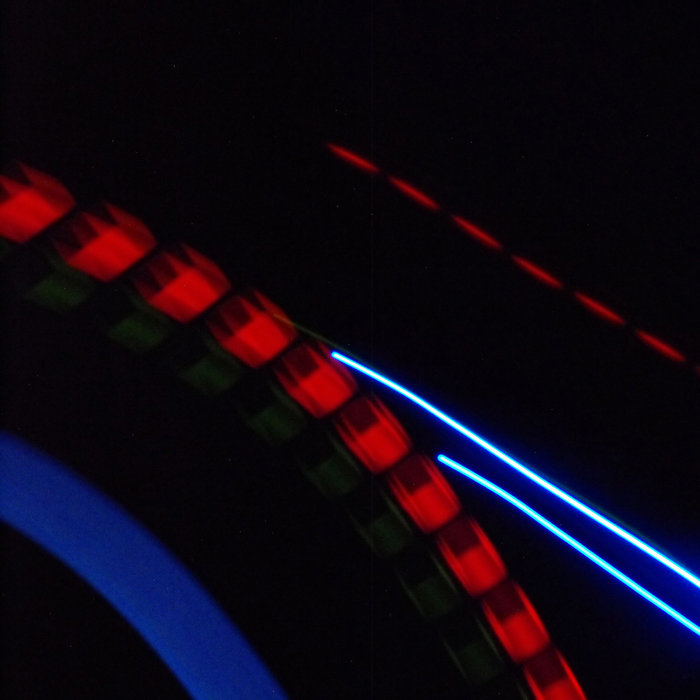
<point x="534" y="271"/>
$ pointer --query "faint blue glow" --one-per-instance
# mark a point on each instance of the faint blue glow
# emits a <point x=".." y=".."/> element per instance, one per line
<point x="121" y="560"/>
<point x="539" y="480"/>
<point x="572" y="542"/>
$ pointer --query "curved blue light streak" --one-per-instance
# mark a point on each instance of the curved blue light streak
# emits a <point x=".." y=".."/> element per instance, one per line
<point x="572" y="542"/>
<point x="133" y="571"/>
<point x="522" y="469"/>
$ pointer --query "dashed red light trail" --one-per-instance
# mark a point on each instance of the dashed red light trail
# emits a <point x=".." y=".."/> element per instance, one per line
<point x="536" y="272"/>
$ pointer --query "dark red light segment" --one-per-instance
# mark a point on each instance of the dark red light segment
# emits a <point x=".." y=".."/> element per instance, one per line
<point x="476" y="233"/>
<point x="471" y="556"/>
<point x="661" y="347"/>
<point x="514" y="621"/>
<point x="537" y="272"/>
<point x="29" y="202"/>
<point x="550" y="677"/>
<point x="353" y="158"/>
<point x="423" y="492"/>
<point x="599" y="309"/>
<point x="251" y="327"/>
<point x="104" y="243"/>
<point x="181" y="282"/>
<point x="415" y="194"/>
<point x="313" y="379"/>
<point x="372" y="433"/>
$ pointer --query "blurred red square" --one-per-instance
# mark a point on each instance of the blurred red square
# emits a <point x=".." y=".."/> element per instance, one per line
<point x="515" y="621"/>
<point x="550" y="677"/>
<point x="471" y="555"/>
<point x="251" y="327"/>
<point x="423" y="492"/>
<point x="181" y="282"/>
<point x="30" y="201"/>
<point x="105" y="242"/>
<point x="313" y="379"/>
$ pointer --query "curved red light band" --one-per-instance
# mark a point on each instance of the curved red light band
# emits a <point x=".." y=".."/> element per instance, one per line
<point x="325" y="394"/>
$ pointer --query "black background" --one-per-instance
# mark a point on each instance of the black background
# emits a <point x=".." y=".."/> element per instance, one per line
<point x="570" y="135"/>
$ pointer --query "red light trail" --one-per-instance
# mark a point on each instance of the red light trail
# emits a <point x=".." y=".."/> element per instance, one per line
<point x="477" y="233"/>
<point x="598" y="309"/>
<point x="660" y="346"/>
<point x="537" y="272"/>
<point x="353" y="159"/>
<point x="415" y="194"/>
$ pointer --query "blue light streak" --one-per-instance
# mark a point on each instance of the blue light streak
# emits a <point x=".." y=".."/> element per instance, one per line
<point x="161" y="599"/>
<point x="522" y="469"/>
<point x="572" y="542"/>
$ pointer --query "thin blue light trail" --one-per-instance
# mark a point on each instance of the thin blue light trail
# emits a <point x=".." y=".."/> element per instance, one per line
<point x="572" y="542"/>
<point x="522" y="469"/>
<point x="121" y="560"/>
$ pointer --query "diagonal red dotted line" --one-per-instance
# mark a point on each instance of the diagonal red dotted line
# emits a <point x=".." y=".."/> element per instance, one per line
<point x="594" y="306"/>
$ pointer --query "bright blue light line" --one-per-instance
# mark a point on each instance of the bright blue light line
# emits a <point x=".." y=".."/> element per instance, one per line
<point x="539" y="480"/>
<point x="640" y="590"/>
<point x="121" y="560"/>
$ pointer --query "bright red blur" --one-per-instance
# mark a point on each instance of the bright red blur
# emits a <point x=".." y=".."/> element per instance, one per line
<point x="313" y="379"/>
<point x="471" y="556"/>
<point x="251" y="327"/>
<point x="423" y="492"/>
<point x="514" y="621"/>
<point x="181" y="282"/>
<point x="372" y="433"/>
<point x="104" y="242"/>
<point x="550" y="677"/>
<point x="30" y="201"/>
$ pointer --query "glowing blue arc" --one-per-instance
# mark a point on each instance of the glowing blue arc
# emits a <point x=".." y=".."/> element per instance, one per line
<point x="539" y="480"/>
<point x="121" y="560"/>
<point x="572" y="542"/>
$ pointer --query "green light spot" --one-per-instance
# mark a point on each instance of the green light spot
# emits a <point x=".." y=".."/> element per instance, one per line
<point x="386" y="530"/>
<point x="61" y="290"/>
<point x="278" y="420"/>
<point x="334" y="472"/>
<point x="214" y="372"/>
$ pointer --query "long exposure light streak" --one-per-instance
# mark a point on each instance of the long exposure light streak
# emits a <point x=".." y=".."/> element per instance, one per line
<point x="522" y="469"/>
<point x="535" y="271"/>
<point x="572" y="542"/>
